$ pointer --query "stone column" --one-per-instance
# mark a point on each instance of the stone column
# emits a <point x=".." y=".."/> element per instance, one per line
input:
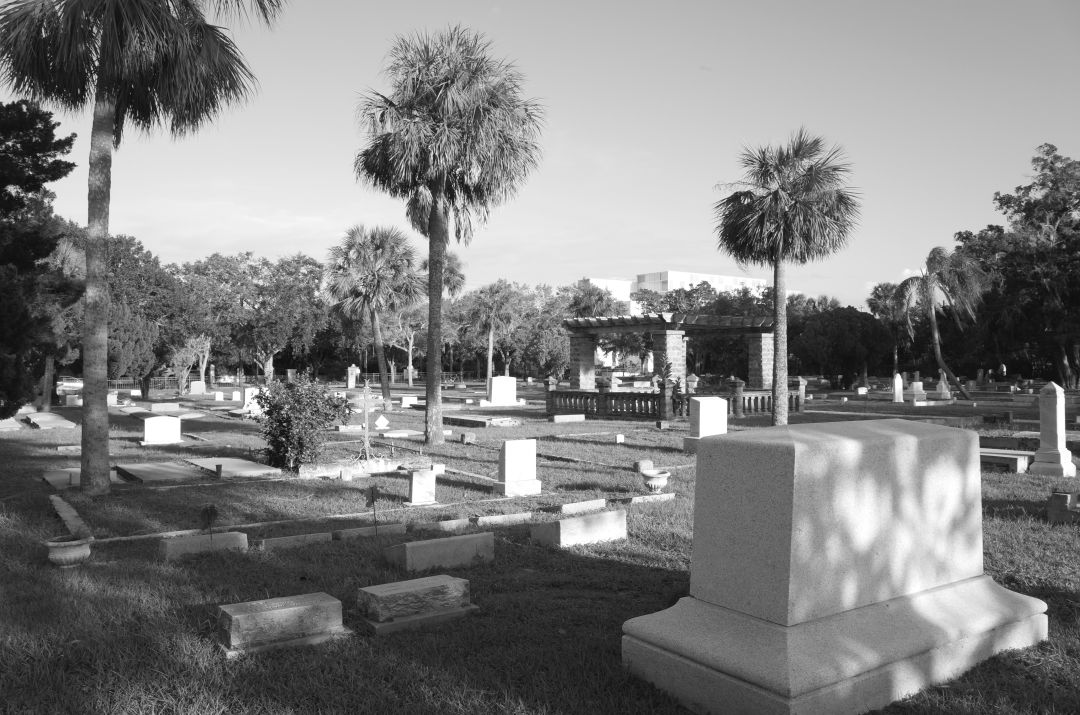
<point x="737" y="397"/>
<point x="761" y="360"/>
<point x="582" y="362"/>
<point x="1052" y="458"/>
<point x="669" y="345"/>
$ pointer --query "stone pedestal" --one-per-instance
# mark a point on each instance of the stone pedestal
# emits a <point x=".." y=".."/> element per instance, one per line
<point x="761" y="360"/>
<point x="517" y="468"/>
<point x="196" y="387"/>
<point x="1052" y="458"/>
<point x="582" y="362"/>
<point x="836" y="567"/>
<point x="159" y="428"/>
<point x="670" y="345"/>
<point x="708" y="417"/>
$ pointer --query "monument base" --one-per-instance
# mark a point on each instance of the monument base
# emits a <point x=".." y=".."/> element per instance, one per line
<point x="1052" y="463"/>
<point x="517" y="488"/>
<point x="716" y="660"/>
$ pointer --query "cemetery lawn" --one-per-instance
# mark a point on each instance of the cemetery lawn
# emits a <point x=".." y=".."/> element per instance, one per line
<point x="128" y="633"/>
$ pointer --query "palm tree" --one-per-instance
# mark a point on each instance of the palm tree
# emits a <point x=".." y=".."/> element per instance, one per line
<point x="143" y="62"/>
<point x="886" y="305"/>
<point x="454" y="138"/>
<point x="792" y="206"/>
<point x="493" y="308"/>
<point x="370" y="272"/>
<point x="950" y="278"/>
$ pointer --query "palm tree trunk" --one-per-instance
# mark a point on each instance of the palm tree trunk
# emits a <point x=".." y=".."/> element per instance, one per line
<point x="438" y="236"/>
<point x="380" y="354"/>
<point x="936" y="339"/>
<point x="94" y="477"/>
<point x="779" y="386"/>
<point x="412" y="338"/>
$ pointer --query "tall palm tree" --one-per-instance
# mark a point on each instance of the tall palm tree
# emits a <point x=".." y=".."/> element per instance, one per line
<point x="792" y="206"/>
<point x="454" y="138"/>
<point x="950" y="278"/>
<point x="370" y="272"/>
<point x="886" y="305"/>
<point x="143" y="62"/>
<point x="493" y="307"/>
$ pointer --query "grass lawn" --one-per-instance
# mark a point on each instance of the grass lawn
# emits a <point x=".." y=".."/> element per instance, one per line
<point x="127" y="633"/>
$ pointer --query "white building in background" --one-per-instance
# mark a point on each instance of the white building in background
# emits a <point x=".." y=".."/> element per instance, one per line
<point x="664" y="281"/>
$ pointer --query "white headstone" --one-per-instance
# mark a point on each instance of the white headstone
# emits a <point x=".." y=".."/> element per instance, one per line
<point x="136" y="393"/>
<point x="408" y="400"/>
<point x="197" y="387"/>
<point x="382" y="422"/>
<point x="708" y="417"/>
<point x="1052" y="458"/>
<point x="503" y="390"/>
<point x="111" y="398"/>
<point x="421" y="487"/>
<point x="159" y="429"/>
<point x="219" y="397"/>
<point x="236" y="396"/>
<point x="517" y="468"/>
<point x="898" y="388"/>
<point x="839" y="555"/>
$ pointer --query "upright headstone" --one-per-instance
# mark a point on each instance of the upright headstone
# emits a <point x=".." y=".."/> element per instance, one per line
<point x="196" y="387"/>
<point x="836" y="567"/>
<point x="503" y="390"/>
<point x="517" y="468"/>
<point x="708" y="417"/>
<point x="112" y="399"/>
<point x="897" y="388"/>
<point x="421" y="488"/>
<point x="159" y="428"/>
<point x="1052" y="458"/>
<point x="916" y="391"/>
<point x="236" y="395"/>
<point x="980" y="377"/>
<point x="350" y="377"/>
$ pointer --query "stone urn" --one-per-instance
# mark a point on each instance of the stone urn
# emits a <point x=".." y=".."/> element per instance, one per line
<point x="655" y="479"/>
<point x="69" y="551"/>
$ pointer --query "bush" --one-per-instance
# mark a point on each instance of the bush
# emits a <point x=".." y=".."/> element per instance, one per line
<point x="295" y="418"/>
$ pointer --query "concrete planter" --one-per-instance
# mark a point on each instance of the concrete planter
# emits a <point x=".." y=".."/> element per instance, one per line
<point x="68" y="551"/>
<point x="655" y="479"/>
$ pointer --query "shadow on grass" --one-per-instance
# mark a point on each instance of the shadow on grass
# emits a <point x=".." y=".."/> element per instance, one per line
<point x="1014" y="509"/>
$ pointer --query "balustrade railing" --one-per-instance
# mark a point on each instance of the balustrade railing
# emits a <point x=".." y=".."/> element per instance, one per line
<point x="646" y="405"/>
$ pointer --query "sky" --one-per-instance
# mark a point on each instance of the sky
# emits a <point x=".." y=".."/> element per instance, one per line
<point x="937" y="104"/>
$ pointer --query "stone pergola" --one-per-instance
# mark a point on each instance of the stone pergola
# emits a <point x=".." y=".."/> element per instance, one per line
<point x="668" y="331"/>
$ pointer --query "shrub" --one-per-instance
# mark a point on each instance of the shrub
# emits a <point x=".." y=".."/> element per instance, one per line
<point x="295" y="418"/>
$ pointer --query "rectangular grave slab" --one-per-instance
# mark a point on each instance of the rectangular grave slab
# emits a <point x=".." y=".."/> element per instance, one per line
<point x="155" y="472"/>
<point x="279" y="622"/>
<point x="367" y="532"/>
<point x="449" y="552"/>
<point x="645" y="498"/>
<point x="411" y="604"/>
<point x="68" y="478"/>
<point x="481" y="421"/>
<point x="444" y="525"/>
<point x="1014" y="460"/>
<point x="197" y="387"/>
<point x="504" y="519"/>
<point x="164" y="406"/>
<point x="292" y="542"/>
<point x="566" y="418"/>
<point x="233" y="467"/>
<point x="588" y="529"/>
<point x="852" y="577"/>
<point x="580" y="507"/>
<point x="180" y="546"/>
<point x="49" y="420"/>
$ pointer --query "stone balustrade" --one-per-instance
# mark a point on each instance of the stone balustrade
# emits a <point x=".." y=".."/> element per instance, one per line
<point x="646" y="405"/>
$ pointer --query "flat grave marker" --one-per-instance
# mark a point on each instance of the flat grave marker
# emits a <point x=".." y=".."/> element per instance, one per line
<point x="171" y="549"/>
<point x="155" y="472"/>
<point x="279" y="622"/>
<point x="587" y="529"/>
<point x="411" y="604"/>
<point x="234" y="467"/>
